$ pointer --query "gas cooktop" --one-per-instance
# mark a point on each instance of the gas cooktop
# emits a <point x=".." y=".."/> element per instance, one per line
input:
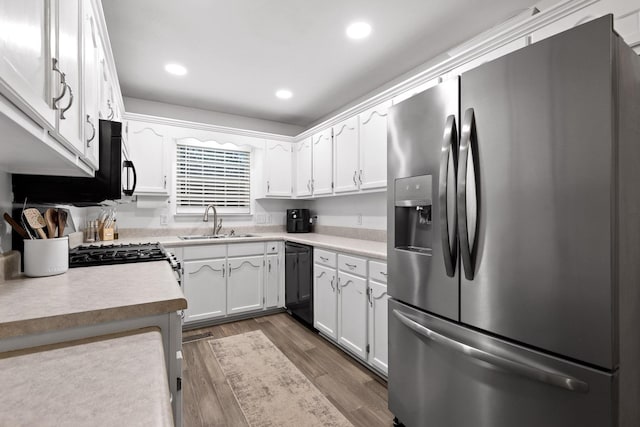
<point x="85" y="256"/>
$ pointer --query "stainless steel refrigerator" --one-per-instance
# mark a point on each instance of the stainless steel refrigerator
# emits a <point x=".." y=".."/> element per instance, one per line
<point x="514" y="240"/>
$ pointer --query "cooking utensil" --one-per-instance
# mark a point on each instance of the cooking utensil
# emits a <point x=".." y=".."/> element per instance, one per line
<point x="51" y="219"/>
<point x="17" y="227"/>
<point x="35" y="221"/>
<point x="62" y="221"/>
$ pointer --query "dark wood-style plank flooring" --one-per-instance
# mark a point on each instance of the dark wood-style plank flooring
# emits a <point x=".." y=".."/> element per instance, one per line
<point x="209" y="401"/>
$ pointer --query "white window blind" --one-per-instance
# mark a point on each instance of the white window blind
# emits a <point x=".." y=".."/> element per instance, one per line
<point x="207" y="175"/>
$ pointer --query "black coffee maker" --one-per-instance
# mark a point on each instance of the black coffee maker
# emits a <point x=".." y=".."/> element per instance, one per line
<point x="298" y="221"/>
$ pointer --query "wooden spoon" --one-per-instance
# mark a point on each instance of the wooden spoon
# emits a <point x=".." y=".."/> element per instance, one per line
<point x="17" y="227"/>
<point x="62" y="221"/>
<point x="35" y="221"/>
<point x="51" y="219"/>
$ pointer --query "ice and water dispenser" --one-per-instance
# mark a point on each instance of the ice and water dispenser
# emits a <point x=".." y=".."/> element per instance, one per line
<point x="413" y="214"/>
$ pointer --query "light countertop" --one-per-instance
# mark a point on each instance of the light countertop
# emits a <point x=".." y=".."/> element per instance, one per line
<point x="115" y="381"/>
<point x="368" y="248"/>
<point x="86" y="296"/>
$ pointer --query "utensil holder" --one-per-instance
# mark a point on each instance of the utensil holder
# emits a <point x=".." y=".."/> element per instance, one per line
<point x="46" y="257"/>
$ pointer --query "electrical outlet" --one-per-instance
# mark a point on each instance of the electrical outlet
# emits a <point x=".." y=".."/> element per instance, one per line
<point x="359" y="219"/>
<point x="260" y="219"/>
<point x="164" y="219"/>
<point x="268" y="219"/>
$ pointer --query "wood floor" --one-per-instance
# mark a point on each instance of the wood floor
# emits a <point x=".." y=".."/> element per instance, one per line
<point x="208" y="400"/>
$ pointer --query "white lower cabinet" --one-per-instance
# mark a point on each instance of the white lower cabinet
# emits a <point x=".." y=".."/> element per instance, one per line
<point x="325" y="300"/>
<point x="204" y="285"/>
<point x="272" y="281"/>
<point x="244" y="287"/>
<point x="352" y="313"/>
<point x="378" y="329"/>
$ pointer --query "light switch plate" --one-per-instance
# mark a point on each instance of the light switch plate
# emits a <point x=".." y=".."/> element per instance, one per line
<point x="359" y="219"/>
<point x="260" y="218"/>
<point x="164" y="219"/>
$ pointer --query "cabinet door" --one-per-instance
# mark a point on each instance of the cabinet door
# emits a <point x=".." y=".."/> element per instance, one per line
<point x="148" y="151"/>
<point x="272" y="283"/>
<point x="352" y="313"/>
<point x="346" y="162"/>
<point x="378" y="336"/>
<point x="373" y="147"/>
<point x="107" y="107"/>
<point x="69" y="43"/>
<point x="303" y="167"/>
<point x="325" y="308"/>
<point x="322" y="181"/>
<point x="244" y="291"/>
<point x="25" y="62"/>
<point x="91" y="85"/>
<point x="278" y="168"/>
<point x="204" y="285"/>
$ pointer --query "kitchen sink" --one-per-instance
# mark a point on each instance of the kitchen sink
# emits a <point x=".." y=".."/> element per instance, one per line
<point x="212" y="237"/>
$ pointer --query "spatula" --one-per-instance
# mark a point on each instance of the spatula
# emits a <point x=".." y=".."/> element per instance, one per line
<point x="62" y="221"/>
<point x="51" y="219"/>
<point x="35" y="221"/>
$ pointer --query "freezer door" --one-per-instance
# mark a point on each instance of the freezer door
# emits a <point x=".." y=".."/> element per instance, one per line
<point x="535" y="195"/>
<point x="422" y="243"/>
<point x="442" y="374"/>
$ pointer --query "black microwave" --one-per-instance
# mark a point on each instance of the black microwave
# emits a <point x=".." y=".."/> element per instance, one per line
<point x="116" y="177"/>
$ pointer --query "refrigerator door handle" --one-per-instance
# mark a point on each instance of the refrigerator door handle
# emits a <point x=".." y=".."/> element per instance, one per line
<point x="449" y="141"/>
<point x="467" y="214"/>
<point x="520" y="367"/>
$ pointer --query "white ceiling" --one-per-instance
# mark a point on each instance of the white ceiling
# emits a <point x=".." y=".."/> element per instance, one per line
<point x="238" y="52"/>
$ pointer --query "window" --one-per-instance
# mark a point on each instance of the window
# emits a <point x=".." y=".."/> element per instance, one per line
<point x="206" y="174"/>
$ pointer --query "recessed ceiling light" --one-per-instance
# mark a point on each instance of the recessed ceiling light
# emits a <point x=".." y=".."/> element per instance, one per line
<point x="358" y="30"/>
<point x="284" y="93"/>
<point x="175" y="69"/>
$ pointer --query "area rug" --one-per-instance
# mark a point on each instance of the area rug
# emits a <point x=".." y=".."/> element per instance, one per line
<point x="269" y="388"/>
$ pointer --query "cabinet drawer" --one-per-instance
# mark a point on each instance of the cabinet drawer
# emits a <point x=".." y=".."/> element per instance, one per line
<point x="352" y="265"/>
<point x="204" y="251"/>
<point x="378" y="271"/>
<point x="324" y="257"/>
<point x="242" y="249"/>
<point x="272" y="247"/>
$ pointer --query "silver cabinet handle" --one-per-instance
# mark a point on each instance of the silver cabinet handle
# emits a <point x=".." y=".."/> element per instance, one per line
<point x="383" y="273"/>
<point x="112" y="113"/>
<point x="269" y="266"/>
<point x="338" y="285"/>
<point x="324" y="258"/>
<point x="65" y="109"/>
<point x="351" y="266"/>
<point x="354" y="178"/>
<point x="360" y="176"/>
<point x="333" y="289"/>
<point x="520" y="367"/>
<point x="63" y="82"/>
<point x="93" y="128"/>
<point x="268" y="186"/>
<point x="165" y="182"/>
<point x="369" y="297"/>
<point x="309" y="185"/>
<point x="449" y="141"/>
<point x="312" y="184"/>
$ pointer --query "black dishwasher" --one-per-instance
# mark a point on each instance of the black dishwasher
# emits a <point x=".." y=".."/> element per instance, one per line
<point x="299" y="281"/>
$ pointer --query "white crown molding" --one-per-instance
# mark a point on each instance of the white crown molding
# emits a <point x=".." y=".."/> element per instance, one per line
<point x="206" y="127"/>
<point x="493" y="41"/>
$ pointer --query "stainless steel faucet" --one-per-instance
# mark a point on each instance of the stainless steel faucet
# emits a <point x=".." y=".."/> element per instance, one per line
<point x="217" y="225"/>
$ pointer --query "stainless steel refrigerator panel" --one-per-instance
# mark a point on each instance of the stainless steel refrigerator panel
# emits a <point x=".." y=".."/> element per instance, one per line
<point x="422" y="146"/>
<point x="442" y="374"/>
<point x="537" y="130"/>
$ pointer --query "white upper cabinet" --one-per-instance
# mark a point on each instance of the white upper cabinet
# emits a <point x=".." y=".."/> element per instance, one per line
<point x="373" y="147"/>
<point x="148" y="150"/>
<point x="68" y="73"/>
<point x="278" y="168"/>
<point x="25" y="62"/>
<point x="91" y="79"/>
<point x="322" y="180"/>
<point x="346" y="160"/>
<point x="303" y="167"/>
